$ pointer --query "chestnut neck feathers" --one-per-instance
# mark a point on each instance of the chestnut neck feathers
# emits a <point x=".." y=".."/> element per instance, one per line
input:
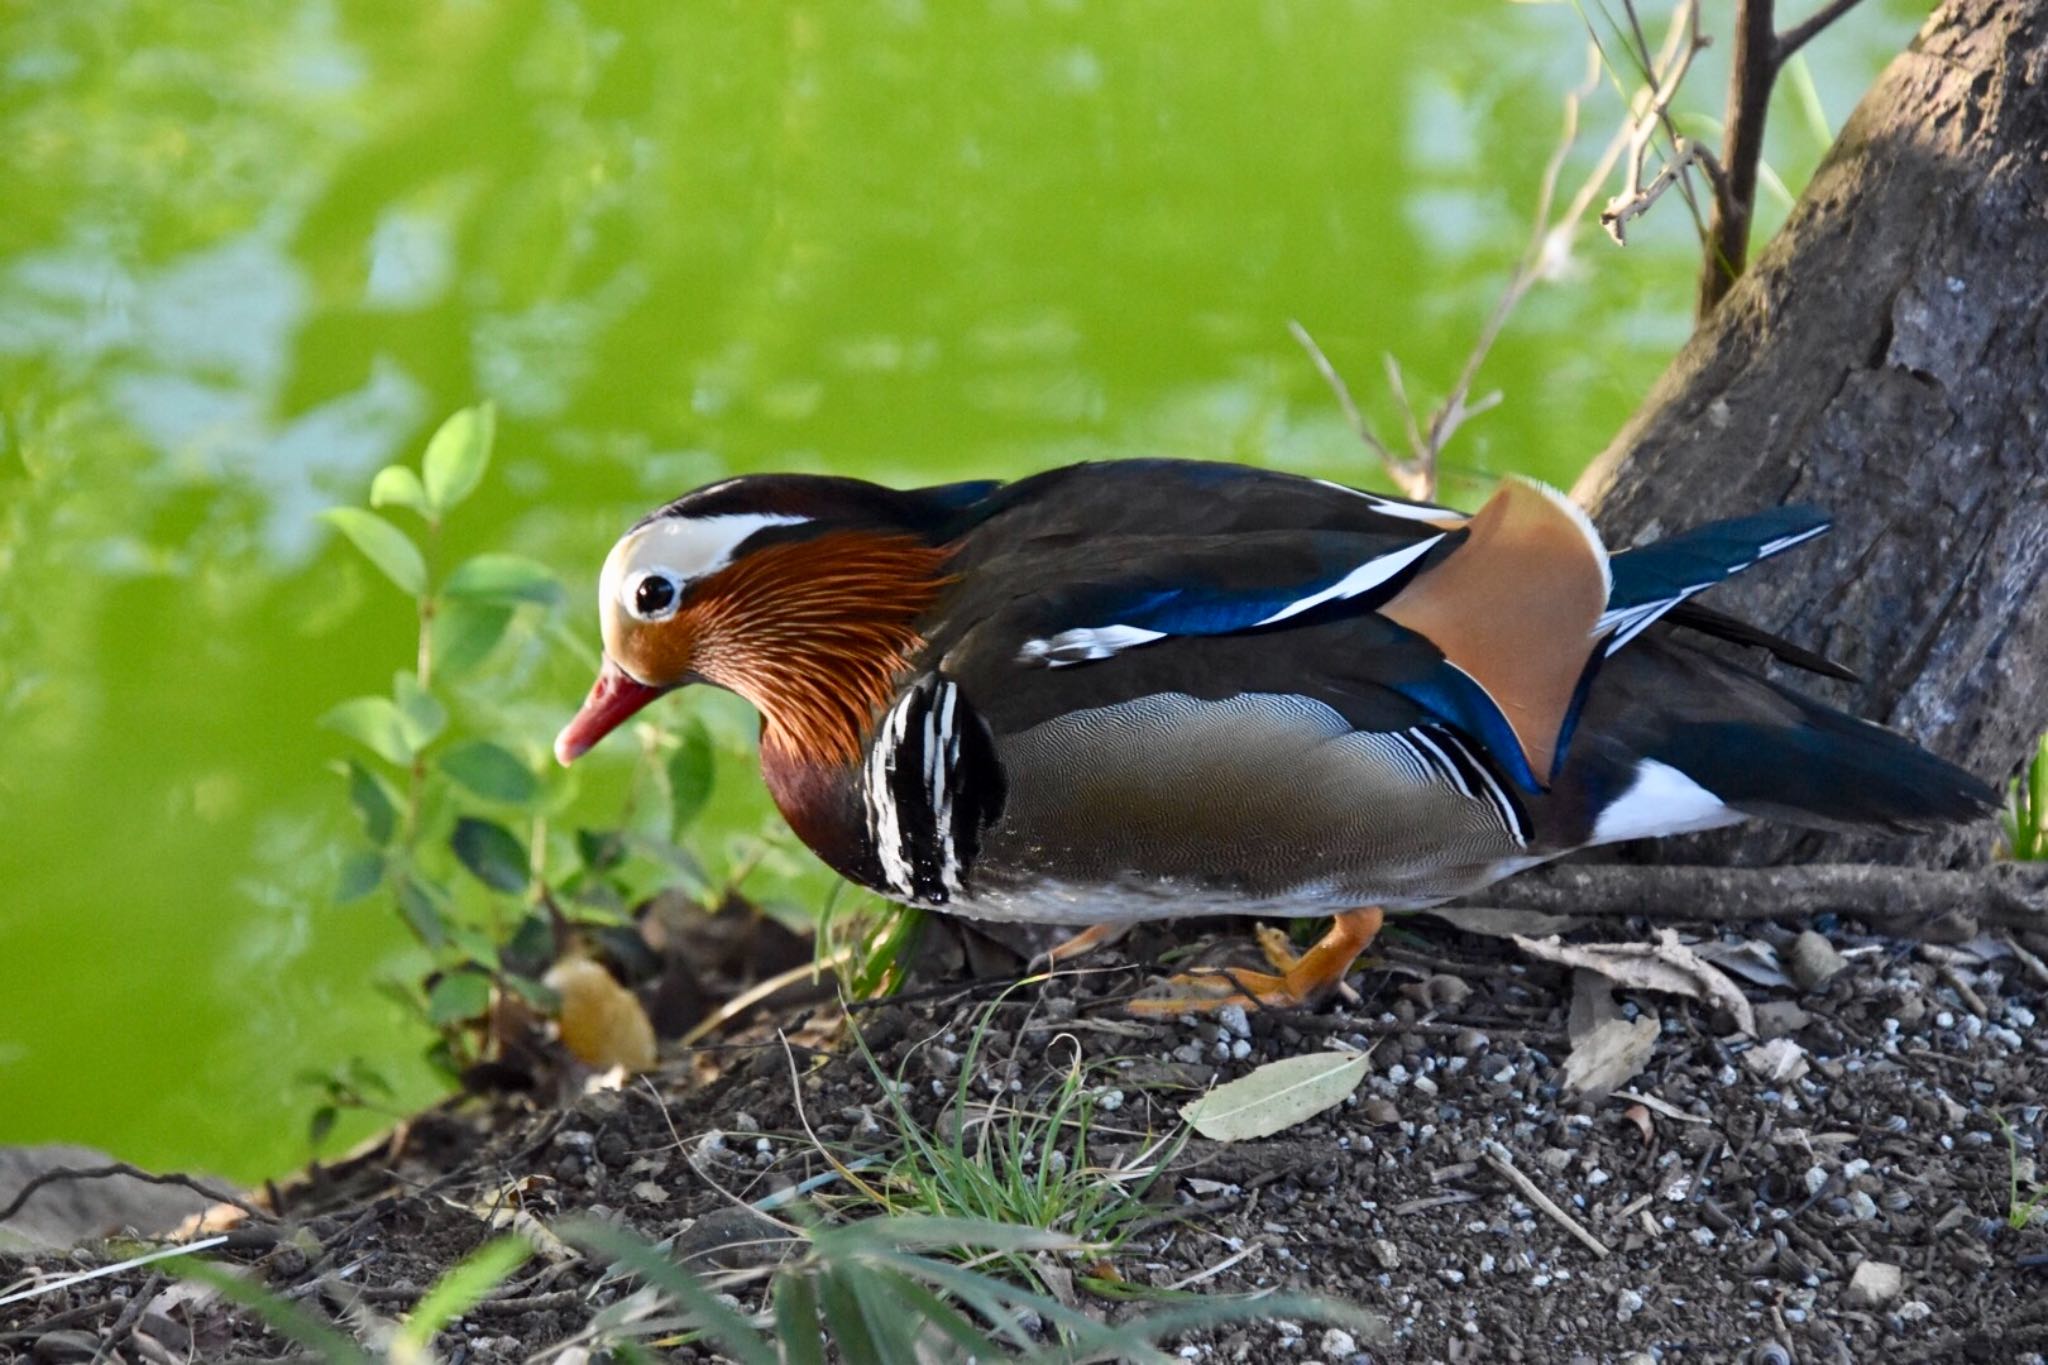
<point x="815" y="634"/>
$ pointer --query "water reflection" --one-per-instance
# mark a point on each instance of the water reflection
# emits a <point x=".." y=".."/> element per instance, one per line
<point x="252" y="254"/>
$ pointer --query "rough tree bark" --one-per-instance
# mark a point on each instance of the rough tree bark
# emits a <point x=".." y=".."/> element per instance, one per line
<point x="1887" y="358"/>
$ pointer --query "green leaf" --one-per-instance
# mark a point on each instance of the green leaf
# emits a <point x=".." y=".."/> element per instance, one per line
<point x="423" y="912"/>
<point x="383" y="545"/>
<point x="494" y="773"/>
<point x="600" y="849"/>
<point x="458" y="454"/>
<point x="397" y="486"/>
<point x="466" y="632"/>
<point x="367" y="1079"/>
<point x="361" y="871"/>
<point x="419" y="711"/>
<point x="690" y="772"/>
<point x="321" y="1124"/>
<point x="373" y="722"/>
<point x="460" y="1290"/>
<point x="476" y="944"/>
<point x="503" y="578"/>
<point x="373" y="802"/>
<point x="458" y="996"/>
<point x="530" y="948"/>
<point x="492" y="853"/>
<point x="542" y="997"/>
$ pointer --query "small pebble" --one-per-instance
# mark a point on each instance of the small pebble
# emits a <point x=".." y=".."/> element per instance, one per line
<point x="1874" y="1284"/>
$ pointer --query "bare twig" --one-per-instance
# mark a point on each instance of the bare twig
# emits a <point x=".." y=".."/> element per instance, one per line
<point x="1416" y="470"/>
<point x="1620" y="209"/>
<point x="759" y="991"/>
<point x="117" y="1168"/>
<point x="1352" y="414"/>
<point x="1751" y="72"/>
<point x="1799" y="35"/>
<point x="1668" y="70"/>
<point x="1503" y="1165"/>
<point x="148" y="1258"/>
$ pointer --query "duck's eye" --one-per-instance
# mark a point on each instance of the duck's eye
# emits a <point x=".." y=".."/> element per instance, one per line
<point x="654" y="597"/>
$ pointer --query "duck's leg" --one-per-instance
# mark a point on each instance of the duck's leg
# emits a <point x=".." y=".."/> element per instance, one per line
<point x="1301" y="980"/>
<point x="1087" y="941"/>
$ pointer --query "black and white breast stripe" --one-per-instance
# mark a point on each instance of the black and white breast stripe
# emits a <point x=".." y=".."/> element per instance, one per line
<point x="1431" y="753"/>
<point x="930" y="784"/>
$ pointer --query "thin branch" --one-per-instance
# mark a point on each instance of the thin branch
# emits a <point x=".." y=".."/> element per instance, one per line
<point x="1549" y="244"/>
<point x="2004" y="895"/>
<point x="119" y="1168"/>
<point x="1752" y="70"/>
<point x="1799" y="35"/>
<point x="1668" y="70"/>
<point x="1352" y="414"/>
<point x="1501" y="1163"/>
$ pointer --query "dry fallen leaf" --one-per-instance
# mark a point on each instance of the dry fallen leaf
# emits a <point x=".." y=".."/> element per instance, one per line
<point x="1666" y="966"/>
<point x="1479" y="919"/>
<point x="1751" y="959"/>
<point x="1612" y="1053"/>
<point x="1777" y="1061"/>
<point x="1277" y="1095"/>
<point x="1639" y="1115"/>
<point x="602" y="1022"/>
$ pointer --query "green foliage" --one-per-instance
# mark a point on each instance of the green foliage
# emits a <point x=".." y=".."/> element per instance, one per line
<point x="2021" y="1204"/>
<point x="465" y="1284"/>
<point x="460" y="809"/>
<point x="432" y="795"/>
<point x="877" y="1291"/>
<point x="885" y="1290"/>
<point x="1019" y="1160"/>
<point x="353" y="1085"/>
<point x="2026" y="809"/>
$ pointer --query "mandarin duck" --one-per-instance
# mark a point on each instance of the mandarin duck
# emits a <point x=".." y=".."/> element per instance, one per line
<point x="1146" y="689"/>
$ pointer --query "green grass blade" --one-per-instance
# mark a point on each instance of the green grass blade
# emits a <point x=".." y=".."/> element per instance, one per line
<point x="796" y="1319"/>
<point x="1807" y="95"/>
<point x="890" y="1320"/>
<point x="733" y="1333"/>
<point x="955" y="1325"/>
<point x="845" y="1322"/>
<point x="283" y="1316"/>
<point x="463" y="1287"/>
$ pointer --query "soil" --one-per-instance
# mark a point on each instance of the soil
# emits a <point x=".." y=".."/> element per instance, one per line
<point x="1737" y="1200"/>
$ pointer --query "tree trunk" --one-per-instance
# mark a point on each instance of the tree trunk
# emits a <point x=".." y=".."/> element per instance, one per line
<point x="1887" y="359"/>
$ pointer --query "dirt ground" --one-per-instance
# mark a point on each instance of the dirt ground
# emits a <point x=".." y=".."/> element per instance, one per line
<point x="1736" y="1191"/>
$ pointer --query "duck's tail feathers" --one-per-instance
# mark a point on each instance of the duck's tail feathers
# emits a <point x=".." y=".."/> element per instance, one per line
<point x="1824" y="769"/>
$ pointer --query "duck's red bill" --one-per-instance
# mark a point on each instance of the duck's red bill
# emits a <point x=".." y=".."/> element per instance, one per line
<point x="613" y="698"/>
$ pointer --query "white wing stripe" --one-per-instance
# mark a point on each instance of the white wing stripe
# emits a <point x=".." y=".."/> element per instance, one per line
<point x="1364" y="578"/>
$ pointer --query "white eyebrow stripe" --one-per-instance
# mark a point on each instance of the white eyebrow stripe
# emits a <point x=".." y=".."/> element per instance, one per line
<point x="689" y="548"/>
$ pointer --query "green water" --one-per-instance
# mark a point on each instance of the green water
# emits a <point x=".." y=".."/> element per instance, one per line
<point x="250" y="252"/>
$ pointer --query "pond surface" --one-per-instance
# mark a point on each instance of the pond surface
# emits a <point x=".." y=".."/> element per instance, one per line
<point x="252" y="252"/>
